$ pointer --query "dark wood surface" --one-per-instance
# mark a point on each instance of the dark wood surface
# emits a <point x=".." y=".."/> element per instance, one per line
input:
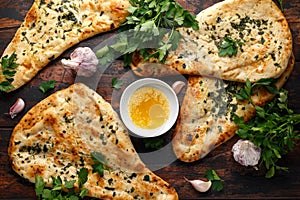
<point x="239" y="182"/>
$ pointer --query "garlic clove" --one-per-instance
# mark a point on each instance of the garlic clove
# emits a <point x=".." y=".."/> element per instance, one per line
<point x="83" y="60"/>
<point x="178" y="86"/>
<point x="200" y="185"/>
<point x="18" y="106"/>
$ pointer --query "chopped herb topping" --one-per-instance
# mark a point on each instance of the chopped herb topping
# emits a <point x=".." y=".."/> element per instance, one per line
<point x="229" y="47"/>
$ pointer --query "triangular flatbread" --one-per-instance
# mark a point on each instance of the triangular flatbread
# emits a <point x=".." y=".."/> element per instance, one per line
<point x="51" y="27"/>
<point x="206" y="115"/>
<point x="57" y="136"/>
<point x="260" y="27"/>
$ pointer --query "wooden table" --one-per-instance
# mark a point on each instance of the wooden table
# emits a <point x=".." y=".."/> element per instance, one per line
<point x="239" y="182"/>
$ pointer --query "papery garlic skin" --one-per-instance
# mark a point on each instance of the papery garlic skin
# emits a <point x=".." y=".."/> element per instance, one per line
<point x="200" y="185"/>
<point x="246" y="153"/>
<point x="83" y="60"/>
<point x="18" y="107"/>
<point x="178" y="86"/>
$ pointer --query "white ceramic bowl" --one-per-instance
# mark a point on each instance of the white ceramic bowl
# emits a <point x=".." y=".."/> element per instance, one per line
<point x="169" y="94"/>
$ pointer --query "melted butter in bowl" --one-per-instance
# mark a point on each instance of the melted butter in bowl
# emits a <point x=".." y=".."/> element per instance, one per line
<point x="149" y="107"/>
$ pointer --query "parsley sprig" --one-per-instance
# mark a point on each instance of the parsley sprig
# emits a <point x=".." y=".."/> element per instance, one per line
<point x="9" y="70"/>
<point x="146" y="28"/>
<point x="116" y="83"/>
<point x="47" y="85"/>
<point x="272" y="129"/>
<point x="229" y="47"/>
<point x="217" y="182"/>
<point x="60" y="190"/>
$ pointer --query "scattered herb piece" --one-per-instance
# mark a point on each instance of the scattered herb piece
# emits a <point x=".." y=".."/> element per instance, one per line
<point x="229" y="47"/>
<point x="47" y="85"/>
<point x="8" y="69"/>
<point x="217" y="182"/>
<point x="59" y="190"/>
<point x="6" y="86"/>
<point x="272" y="129"/>
<point x="280" y="4"/>
<point x="153" y="143"/>
<point x="246" y="92"/>
<point x="82" y="177"/>
<point x="116" y="83"/>
<point x="143" y="30"/>
<point x="99" y="163"/>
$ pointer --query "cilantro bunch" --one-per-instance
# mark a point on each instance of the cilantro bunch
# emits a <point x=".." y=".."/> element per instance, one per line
<point x="273" y="127"/>
<point x="150" y="28"/>
<point x="62" y="191"/>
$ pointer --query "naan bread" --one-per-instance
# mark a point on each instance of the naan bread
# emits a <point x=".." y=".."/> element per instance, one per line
<point x="258" y="24"/>
<point x="206" y="115"/>
<point x="57" y="136"/>
<point x="51" y="27"/>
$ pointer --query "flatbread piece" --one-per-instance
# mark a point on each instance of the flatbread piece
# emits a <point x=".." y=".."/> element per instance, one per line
<point x="206" y="115"/>
<point x="51" y="27"/>
<point x="258" y="25"/>
<point x="56" y="138"/>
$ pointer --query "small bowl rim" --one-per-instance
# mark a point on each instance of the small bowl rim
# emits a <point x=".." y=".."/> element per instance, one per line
<point x="167" y="91"/>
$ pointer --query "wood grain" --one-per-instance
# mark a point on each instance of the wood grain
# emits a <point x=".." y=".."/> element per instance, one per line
<point x="239" y="182"/>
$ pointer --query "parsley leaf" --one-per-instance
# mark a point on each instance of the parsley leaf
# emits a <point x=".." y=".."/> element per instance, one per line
<point x="82" y="177"/>
<point x="6" y="86"/>
<point x="117" y="84"/>
<point x="143" y="29"/>
<point x="47" y="85"/>
<point x="39" y="185"/>
<point x="8" y="69"/>
<point x="246" y="92"/>
<point x="60" y="190"/>
<point x="217" y="182"/>
<point x="272" y="129"/>
<point x="99" y="163"/>
<point x="229" y="47"/>
<point x="153" y="143"/>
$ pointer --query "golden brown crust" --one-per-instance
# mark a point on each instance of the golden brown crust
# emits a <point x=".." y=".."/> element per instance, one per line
<point x="50" y="28"/>
<point x="258" y="24"/>
<point x="56" y="137"/>
<point x="205" y="119"/>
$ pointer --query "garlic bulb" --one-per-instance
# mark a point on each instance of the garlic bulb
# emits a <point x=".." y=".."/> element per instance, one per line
<point x="18" y="106"/>
<point x="83" y="60"/>
<point x="246" y="153"/>
<point x="200" y="185"/>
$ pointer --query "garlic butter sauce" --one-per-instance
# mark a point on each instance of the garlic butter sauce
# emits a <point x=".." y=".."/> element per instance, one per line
<point x="148" y="108"/>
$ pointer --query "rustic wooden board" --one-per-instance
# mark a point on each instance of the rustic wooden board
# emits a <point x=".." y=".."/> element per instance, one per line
<point x="239" y="182"/>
